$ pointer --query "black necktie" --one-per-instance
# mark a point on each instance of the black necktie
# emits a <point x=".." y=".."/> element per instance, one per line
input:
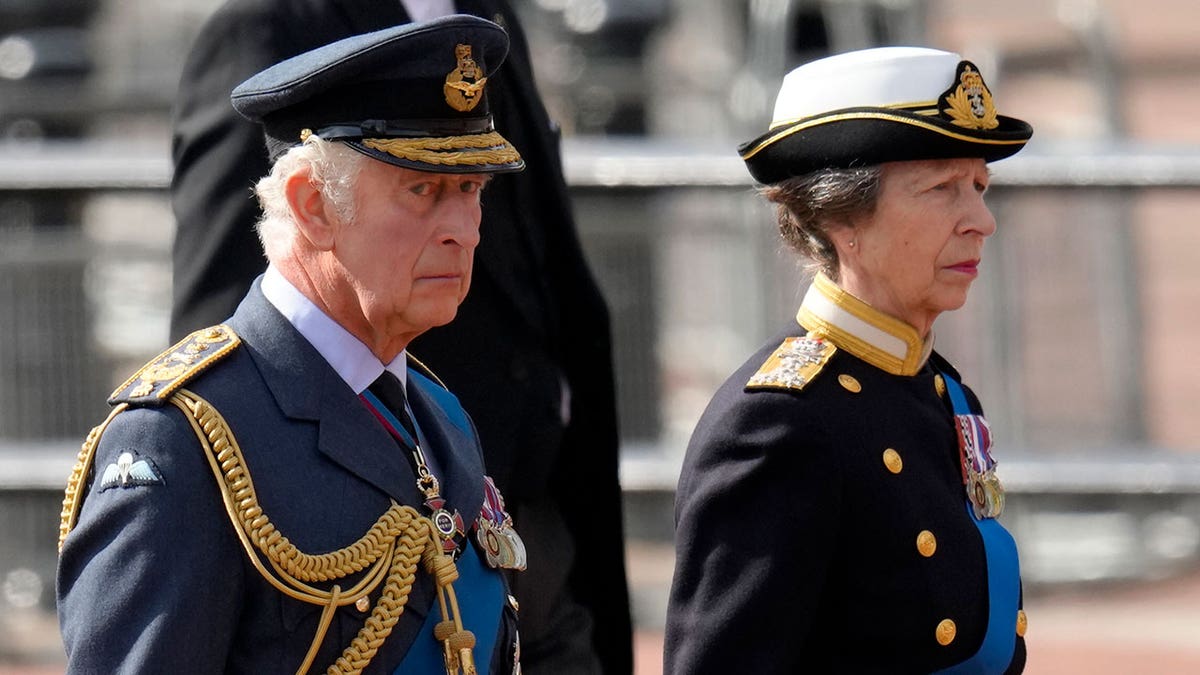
<point x="388" y="389"/>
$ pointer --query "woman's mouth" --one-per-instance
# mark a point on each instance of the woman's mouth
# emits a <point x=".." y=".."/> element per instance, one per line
<point x="968" y="267"/>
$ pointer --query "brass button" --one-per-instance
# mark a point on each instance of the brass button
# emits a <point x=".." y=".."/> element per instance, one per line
<point x="891" y="459"/>
<point x="1022" y="623"/>
<point x="512" y="602"/>
<point x="939" y="385"/>
<point x="926" y="543"/>
<point x="849" y="383"/>
<point x="362" y="604"/>
<point x="946" y="631"/>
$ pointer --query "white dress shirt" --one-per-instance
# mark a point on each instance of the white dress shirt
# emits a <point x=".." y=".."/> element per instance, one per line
<point x="348" y="356"/>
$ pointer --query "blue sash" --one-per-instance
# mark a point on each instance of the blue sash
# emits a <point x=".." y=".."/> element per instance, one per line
<point x="481" y="597"/>
<point x="1004" y="580"/>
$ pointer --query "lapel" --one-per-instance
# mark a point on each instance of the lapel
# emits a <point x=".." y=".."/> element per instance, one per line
<point x="306" y="388"/>
<point x="447" y="433"/>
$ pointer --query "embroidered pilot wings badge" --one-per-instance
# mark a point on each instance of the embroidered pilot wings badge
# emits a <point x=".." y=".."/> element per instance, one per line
<point x="125" y="473"/>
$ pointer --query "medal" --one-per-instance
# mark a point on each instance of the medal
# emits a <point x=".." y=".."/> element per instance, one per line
<point x="448" y="523"/>
<point x="984" y="490"/>
<point x="502" y="546"/>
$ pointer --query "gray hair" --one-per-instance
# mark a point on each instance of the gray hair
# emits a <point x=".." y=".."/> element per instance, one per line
<point x="807" y="207"/>
<point x="333" y="168"/>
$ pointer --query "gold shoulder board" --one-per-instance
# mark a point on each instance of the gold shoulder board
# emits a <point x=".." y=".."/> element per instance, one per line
<point x="157" y="380"/>
<point x="794" y="364"/>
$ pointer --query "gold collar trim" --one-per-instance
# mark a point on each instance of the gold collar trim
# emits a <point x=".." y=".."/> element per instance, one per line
<point x="877" y="338"/>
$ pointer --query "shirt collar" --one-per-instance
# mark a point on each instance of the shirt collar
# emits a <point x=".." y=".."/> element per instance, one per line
<point x="348" y="356"/>
<point x="851" y="324"/>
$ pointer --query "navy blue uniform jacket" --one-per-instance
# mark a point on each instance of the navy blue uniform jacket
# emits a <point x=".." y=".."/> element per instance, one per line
<point x="153" y="579"/>
<point x="797" y="546"/>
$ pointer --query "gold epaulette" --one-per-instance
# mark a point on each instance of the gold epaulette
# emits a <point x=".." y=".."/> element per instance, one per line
<point x="794" y="364"/>
<point x="154" y="383"/>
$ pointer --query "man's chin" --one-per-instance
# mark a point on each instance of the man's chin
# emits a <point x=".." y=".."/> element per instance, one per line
<point x="442" y="316"/>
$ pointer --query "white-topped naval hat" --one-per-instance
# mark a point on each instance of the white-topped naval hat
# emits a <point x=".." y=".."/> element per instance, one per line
<point x="881" y="105"/>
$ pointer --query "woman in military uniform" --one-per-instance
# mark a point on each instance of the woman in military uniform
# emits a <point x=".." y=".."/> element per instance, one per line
<point x="837" y="506"/>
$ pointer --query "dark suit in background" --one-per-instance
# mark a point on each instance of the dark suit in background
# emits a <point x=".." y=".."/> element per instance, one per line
<point x="530" y="345"/>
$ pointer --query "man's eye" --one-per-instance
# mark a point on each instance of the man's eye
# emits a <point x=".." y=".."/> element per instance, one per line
<point x="421" y="189"/>
<point x="470" y="187"/>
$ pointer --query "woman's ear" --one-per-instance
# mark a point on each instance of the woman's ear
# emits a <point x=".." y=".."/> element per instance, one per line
<point x="307" y="203"/>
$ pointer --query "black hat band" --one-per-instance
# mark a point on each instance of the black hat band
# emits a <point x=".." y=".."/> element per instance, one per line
<point x="405" y="128"/>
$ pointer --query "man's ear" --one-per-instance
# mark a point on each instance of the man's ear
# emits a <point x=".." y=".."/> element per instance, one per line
<point x="307" y="203"/>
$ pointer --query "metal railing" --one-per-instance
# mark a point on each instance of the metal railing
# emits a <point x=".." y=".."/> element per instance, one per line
<point x="689" y="209"/>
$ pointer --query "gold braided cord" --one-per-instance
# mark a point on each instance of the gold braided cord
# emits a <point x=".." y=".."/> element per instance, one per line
<point x="391" y="550"/>
<point x="466" y="150"/>
<point x="293" y="563"/>
<point x="387" y="612"/>
<point x="83" y="464"/>
<point x="396" y="541"/>
<point x="413" y="543"/>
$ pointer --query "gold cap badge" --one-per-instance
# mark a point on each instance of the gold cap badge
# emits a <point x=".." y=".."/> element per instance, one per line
<point x="969" y="103"/>
<point x="464" y="84"/>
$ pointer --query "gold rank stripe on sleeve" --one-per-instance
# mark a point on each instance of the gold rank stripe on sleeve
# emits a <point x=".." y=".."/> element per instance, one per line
<point x="155" y="382"/>
<point x="794" y="364"/>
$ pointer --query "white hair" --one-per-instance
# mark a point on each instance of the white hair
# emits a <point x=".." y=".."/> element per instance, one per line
<point x="333" y="169"/>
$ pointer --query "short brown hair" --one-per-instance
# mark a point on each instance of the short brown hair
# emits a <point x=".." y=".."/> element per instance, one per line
<point x="808" y="206"/>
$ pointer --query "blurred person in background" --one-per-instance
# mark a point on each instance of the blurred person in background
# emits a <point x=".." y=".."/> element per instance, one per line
<point x="289" y="490"/>
<point x="529" y="354"/>
<point x="836" y="511"/>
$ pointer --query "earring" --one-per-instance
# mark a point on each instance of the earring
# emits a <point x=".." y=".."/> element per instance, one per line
<point x="852" y="243"/>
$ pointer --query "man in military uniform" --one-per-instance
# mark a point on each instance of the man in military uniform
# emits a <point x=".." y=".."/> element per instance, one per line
<point x="289" y="490"/>
<point x="534" y="326"/>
